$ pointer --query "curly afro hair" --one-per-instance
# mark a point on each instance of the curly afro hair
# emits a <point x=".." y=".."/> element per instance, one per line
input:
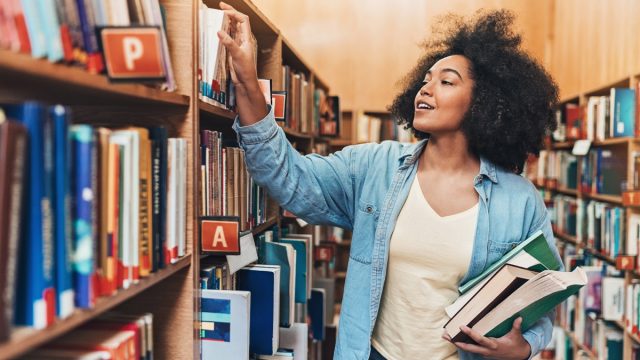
<point x="514" y="98"/>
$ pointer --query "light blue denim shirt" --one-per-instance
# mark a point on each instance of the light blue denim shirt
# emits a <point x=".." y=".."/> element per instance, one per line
<point x="363" y="188"/>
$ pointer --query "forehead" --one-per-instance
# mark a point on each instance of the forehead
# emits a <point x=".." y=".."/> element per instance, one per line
<point x="456" y="62"/>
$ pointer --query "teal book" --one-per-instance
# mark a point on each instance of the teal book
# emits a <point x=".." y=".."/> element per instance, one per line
<point x="300" y="246"/>
<point x="283" y="255"/>
<point x="536" y="245"/>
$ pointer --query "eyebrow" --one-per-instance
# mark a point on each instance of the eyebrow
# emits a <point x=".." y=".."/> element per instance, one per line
<point x="448" y="70"/>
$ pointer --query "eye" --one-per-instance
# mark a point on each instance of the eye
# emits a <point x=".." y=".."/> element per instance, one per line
<point x="445" y="82"/>
<point x="425" y="82"/>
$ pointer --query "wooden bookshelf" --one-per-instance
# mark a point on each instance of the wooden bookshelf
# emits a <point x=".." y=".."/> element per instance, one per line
<point x="296" y="135"/>
<point x="25" y="339"/>
<point x="579" y="346"/>
<point x="613" y="199"/>
<point x="216" y="112"/>
<point x="21" y="75"/>
<point x="265" y="226"/>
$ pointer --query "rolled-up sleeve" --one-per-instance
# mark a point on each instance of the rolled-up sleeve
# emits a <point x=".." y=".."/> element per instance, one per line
<point x="318" y="189"/>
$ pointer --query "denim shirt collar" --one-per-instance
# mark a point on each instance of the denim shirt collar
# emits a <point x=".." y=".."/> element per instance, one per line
<point x="411" y="153"/>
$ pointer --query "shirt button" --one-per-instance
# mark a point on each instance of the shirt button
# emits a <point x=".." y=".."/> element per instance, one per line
<point x="369" y="209"/>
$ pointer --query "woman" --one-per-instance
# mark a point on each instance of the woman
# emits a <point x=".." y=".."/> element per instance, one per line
<point x="426" y="217"/>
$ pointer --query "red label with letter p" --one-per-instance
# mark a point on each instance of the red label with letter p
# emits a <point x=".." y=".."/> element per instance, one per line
<point x="133" y="53"/>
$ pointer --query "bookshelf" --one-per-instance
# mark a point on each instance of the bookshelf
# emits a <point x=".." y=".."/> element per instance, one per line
<point x="621" y="148"/>
<point x="97" y="101"/>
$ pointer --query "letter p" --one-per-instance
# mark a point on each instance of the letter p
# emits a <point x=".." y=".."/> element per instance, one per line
<point x="133" y="50"/>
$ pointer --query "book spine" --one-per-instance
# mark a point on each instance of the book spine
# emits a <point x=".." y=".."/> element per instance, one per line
<point x="62" y="203"/>
<point x="51" y="28"/>
<point x="94" y="63"/>
<point x="37" y="37"/>
<point x="156" y="149"/>
<point x="83" y="222"/>
<point x="12" y="158"/>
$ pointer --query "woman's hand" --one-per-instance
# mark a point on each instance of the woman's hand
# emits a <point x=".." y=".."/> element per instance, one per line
<point x="250" y="101"/>
<point x="512" y="346"/>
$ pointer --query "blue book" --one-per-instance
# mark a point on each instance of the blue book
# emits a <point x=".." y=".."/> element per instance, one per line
<point x="316" y="313"/>
<point x="83" y="213"/>
<point x="51" y="28"/>
<point x="60" y="116"/>
<point x="623" y="108"/>
<point x="36" y="296"/>
<point x="263" y="284"/>
<point x="37" y="37"/>
<point x="300" y="246"/>
<point x="283" y="255"/>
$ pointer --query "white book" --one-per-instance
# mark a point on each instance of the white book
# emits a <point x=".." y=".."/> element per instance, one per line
<point x="228" y="312"/>
<point x="248" y="255"/>
<point x="601" y="125"/>
<point x="633" y="234"/>
<point x="182" y="197"/>
<point x="171" y="244"/>
<point x="156" y="20"/>
<point x="119" y="13"/>
<point x="591" y="117"/>
<point x="296" y="338"/>
<point x="613" y="298"/>
<point x="125" y="141"/>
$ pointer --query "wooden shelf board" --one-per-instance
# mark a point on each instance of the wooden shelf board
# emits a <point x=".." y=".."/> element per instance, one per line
<point x="566" y="191"/>
<point x="340" y="142"/>
<point x="43" y="80"/>
<point x="606" y="90"/>
<point x="260" y="24"/>
<point x="614" y="199"/>
<point x="215" y="111"/>
<point x="296" y="134"/>
<point x="607" y="142"/>
<point x="320" y="83"/>
<point x="340" y="274"/>
<point x="25" y="339"/>
<point x="266" y="225"/>
<point x="572" y="240"/>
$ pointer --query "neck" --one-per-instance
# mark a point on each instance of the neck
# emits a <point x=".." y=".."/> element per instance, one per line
<point x="449" y="153"/>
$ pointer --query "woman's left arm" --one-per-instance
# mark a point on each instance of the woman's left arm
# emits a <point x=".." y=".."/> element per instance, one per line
<point x="516" y="344"/>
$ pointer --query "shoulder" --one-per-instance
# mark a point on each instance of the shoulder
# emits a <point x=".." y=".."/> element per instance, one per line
<point x="388" y="149"/>
<point x="522" y="192"/>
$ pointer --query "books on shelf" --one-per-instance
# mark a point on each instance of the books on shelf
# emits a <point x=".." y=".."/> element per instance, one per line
<point x="64" y="31"/>
<point x="111" y="336"/>
<point x="89" y="211"/>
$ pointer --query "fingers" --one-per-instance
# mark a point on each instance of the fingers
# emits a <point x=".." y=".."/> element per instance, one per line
<point x="473" y="348"/>
<point x="483" y="341"/>
<point x="228" y="43"/>
<point x="241" y="20"/>
<point x="517" y="326"/>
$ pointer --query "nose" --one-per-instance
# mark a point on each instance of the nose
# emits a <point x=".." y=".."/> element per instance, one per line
<point x="426" y="90"/>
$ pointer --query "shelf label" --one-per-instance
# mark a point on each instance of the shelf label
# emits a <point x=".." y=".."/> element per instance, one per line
<point x="132" y="53"/>
<point x="220" y="235"/>
<point x="323" y="253"/>
<point x="581" y="147"/>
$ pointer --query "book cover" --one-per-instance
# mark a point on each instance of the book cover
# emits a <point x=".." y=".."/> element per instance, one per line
<point x="283" y="255"/>
<point x="536" y="245"/>
<point x="35" y="294"/>
<point x="13" y="152"/>
<point x="296" y="338"/>
<point x="264" y="284"/>
<point x="224" y="324"/>
<point x="623" y="106"/>
<point x="37" y="36"/>
<point x="315" y="310"/>
<point x="530" y="301"/>
<point x="300" y="248"/>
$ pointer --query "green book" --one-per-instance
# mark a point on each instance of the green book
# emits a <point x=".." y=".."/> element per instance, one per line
<point x="536" y="245"/>
<point x="531" y="300"/>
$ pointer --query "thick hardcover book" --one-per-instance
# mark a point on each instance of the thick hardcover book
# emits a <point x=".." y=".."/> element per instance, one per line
<point x="63" y="238"/>
<point x="224" y="324"/>
<point x="83" y="174"/>
<point x="35" y="300"/>
<point x="301" y="270"/>
<point x="536" y="245"/>
<point x="493" y="311"/>
<point x="264" y="284"/>
<point x="13" y="152"/>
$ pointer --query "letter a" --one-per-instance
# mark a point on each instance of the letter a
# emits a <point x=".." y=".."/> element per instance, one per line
<point x="218" y="237"/>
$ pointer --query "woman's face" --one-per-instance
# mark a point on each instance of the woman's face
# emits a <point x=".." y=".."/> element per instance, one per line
<point x="445" y="97"/>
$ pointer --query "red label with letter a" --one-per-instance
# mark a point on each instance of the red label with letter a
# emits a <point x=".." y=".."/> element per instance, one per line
<point x="220" y="237"/>
<point x="133" y="53"/>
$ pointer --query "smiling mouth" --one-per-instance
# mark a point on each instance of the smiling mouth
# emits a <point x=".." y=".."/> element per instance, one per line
<point x="423" y="106"/>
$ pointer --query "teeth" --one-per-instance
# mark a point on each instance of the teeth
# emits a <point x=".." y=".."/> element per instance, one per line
<point x="424" y="106"/>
